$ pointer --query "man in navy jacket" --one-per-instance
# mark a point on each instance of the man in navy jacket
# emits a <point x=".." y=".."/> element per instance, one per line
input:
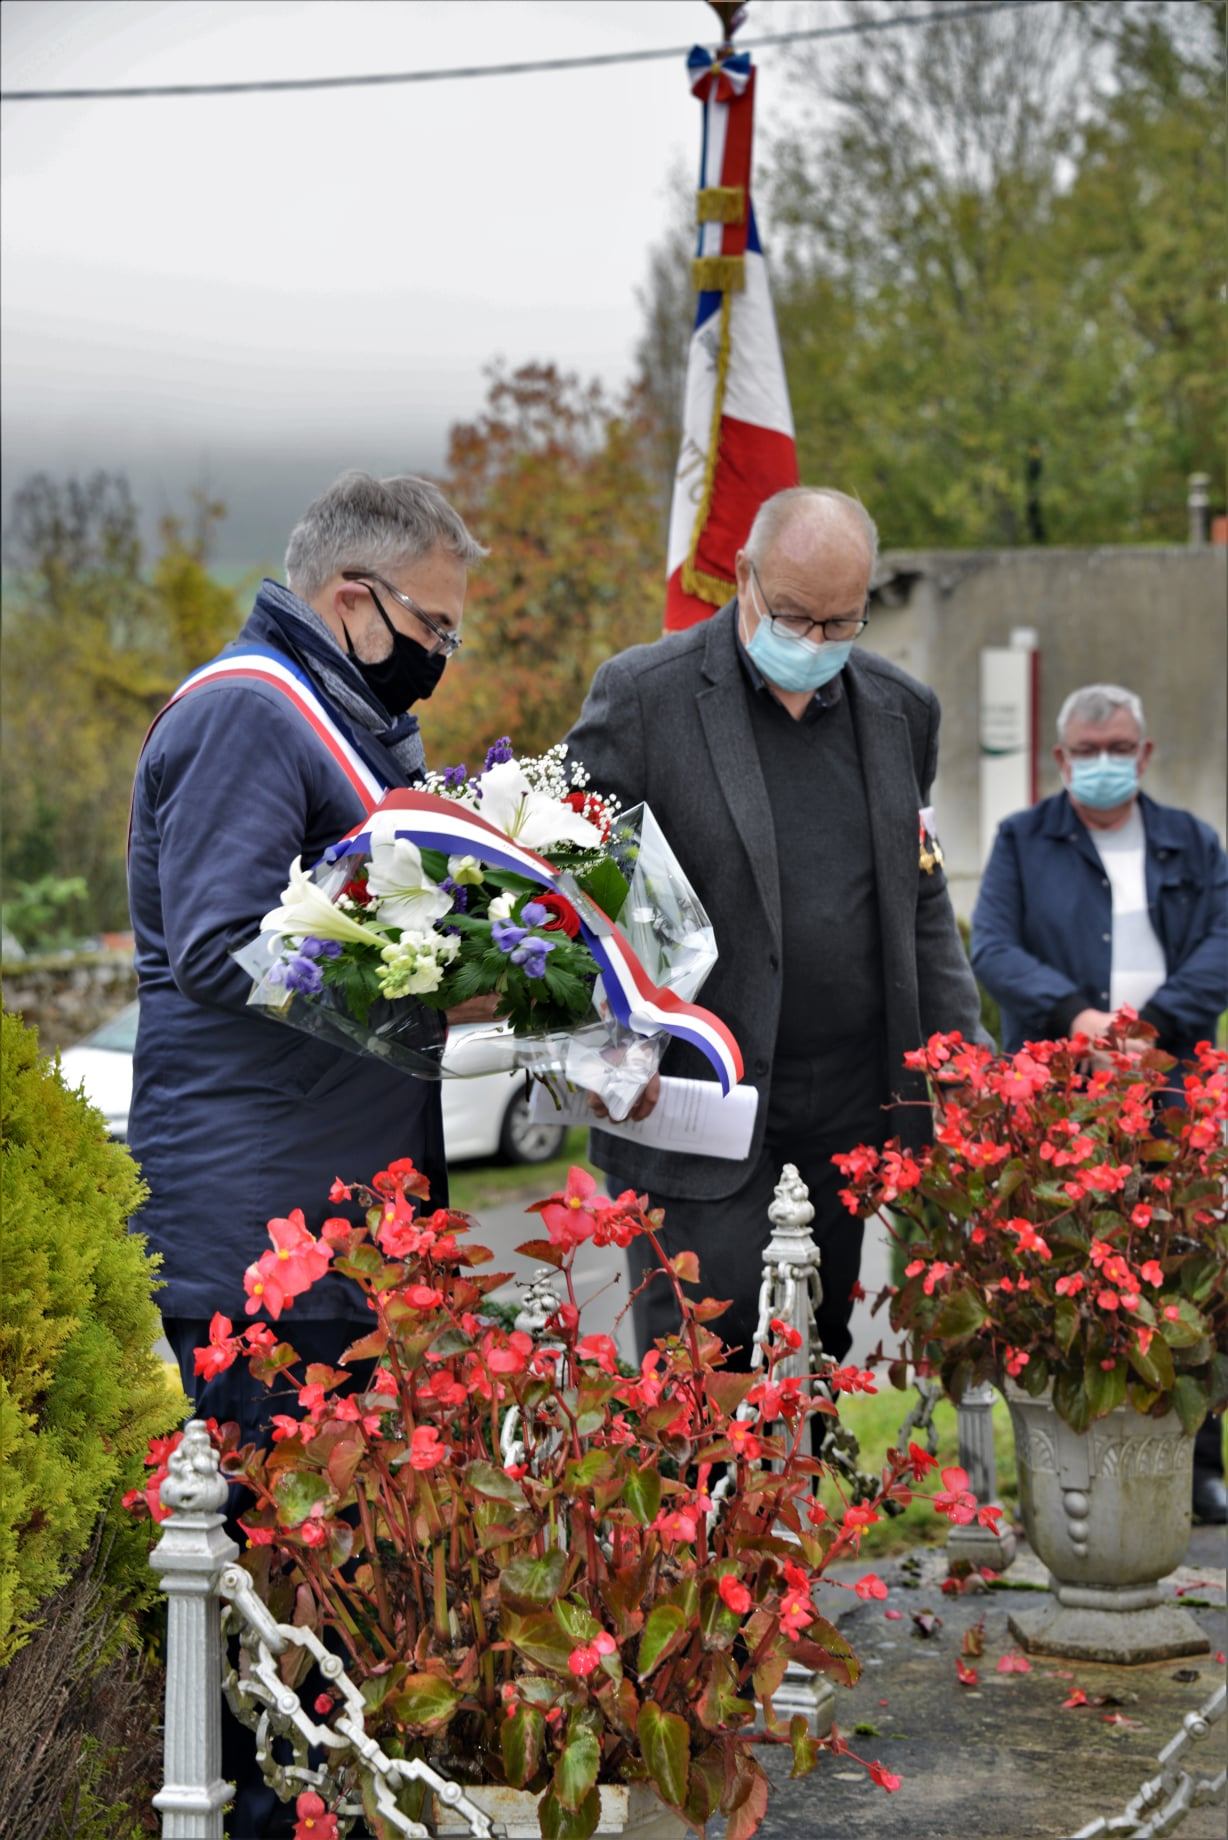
<point x="276" y="750"/>
<point x="1100" y="897"/>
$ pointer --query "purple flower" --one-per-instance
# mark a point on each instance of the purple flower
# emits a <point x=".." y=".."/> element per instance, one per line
<point x="531" y="955"/>
<point x="534" y="914"/>
<point x="501" y="751"/>
<point x="303" y="974"/>
<point x="455" y="777"/>
<point x="506" y="934"/>
<point x="330" y="948"/>
<point x="460" y="897"/>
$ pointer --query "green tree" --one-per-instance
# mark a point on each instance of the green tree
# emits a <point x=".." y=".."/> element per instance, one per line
<point x="94" y="643"/>
<point x="996" y="249"/>
<point x="555" y="480"/>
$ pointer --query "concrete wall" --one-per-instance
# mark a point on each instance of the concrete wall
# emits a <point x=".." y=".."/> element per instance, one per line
<point x="1155" y="620"/>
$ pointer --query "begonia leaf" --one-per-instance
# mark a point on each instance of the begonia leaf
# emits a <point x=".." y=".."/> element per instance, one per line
<point x="664" y="1632"/>
<point x="642" y="1494"/>
<point x="961" y="1315"/>
<point x="576" y="1770"/>
<point x="1189" y="1402"/>
<point x="296" y="1492"/>
<point x="423" y="1702"/>
<point x="559" y="1823"/>
<point x="665" y="1745"/>
<point x="521" y="1738"/>
<point x="538" y="1637"/>
<point x="495" y="1484"/>
<point x="534" y="1581"/>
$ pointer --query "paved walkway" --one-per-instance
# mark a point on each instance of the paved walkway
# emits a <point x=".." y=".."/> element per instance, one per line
<point x="1003" y="1759"/>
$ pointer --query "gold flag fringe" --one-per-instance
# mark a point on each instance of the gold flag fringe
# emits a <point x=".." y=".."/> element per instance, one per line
<point x="718" y="274"/>
<point x="720" y="204"/>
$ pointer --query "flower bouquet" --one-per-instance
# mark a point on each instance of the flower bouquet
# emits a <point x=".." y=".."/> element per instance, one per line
<point x="593" y="953"/>
<point x="517" y="1545"/>
<point x="1068" y="1225"/>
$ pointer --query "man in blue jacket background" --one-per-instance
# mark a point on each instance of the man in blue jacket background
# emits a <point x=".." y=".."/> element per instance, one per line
<point x="1101" y="897"/>
<point x="275" y="750"/>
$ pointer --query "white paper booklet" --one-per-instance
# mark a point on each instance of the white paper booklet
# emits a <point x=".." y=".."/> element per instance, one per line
<point x="692" y="1116"/>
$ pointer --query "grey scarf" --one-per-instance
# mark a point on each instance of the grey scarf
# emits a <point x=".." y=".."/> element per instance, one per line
<point x="309" y="639"/>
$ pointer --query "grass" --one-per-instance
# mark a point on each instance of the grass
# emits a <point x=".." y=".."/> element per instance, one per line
<point x="489" y="1184"/>
<point x="875" y="1421"/>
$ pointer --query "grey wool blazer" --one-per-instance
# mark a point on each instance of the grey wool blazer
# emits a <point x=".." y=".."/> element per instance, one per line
<point x="669" y="723"/>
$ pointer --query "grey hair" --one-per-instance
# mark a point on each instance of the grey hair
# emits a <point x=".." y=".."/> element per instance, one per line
<point x="1099" y="703"/>
<point x="776" y="512"/>
<point x="361" y="522"/>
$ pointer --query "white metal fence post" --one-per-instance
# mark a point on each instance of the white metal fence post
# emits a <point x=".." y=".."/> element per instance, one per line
<point x="189" y="1558"/>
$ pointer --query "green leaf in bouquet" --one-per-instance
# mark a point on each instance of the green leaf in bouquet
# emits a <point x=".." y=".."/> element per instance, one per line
<point x="607" y="886"/>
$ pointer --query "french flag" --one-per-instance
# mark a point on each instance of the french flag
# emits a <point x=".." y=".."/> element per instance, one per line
<point x="737" y="435"/>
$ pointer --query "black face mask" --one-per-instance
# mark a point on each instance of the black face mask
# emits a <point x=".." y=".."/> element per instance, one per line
<point x="409" y="673"/>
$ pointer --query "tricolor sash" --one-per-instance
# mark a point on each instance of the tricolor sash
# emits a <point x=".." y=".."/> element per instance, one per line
<point x="263" y="664"/>
<point x="635" y="1001"/>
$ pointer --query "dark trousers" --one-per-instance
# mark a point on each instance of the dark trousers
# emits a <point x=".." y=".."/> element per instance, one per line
<point x="257" y="1813"/>
<point x="728" y="1235"/>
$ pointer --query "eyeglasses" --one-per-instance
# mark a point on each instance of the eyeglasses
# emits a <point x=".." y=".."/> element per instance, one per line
<point x="797" y="626"/>
<point x="448" y="641"/>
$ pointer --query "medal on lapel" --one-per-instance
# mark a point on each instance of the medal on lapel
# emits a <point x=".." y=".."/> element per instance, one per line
<point x="929" y="855"/>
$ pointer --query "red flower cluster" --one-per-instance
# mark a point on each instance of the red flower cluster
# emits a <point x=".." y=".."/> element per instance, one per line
<point x="1067" y="1223"/>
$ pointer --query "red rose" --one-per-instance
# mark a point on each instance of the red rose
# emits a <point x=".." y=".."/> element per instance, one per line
<point x="565" y="918"/>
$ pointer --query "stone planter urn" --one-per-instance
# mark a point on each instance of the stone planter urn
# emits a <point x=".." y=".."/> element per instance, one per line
<point x="1108" y="1510"/>
<point x="635" y="1812"/>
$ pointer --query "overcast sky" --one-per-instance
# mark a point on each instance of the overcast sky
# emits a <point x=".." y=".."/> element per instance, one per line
<point x="262" y="289"/>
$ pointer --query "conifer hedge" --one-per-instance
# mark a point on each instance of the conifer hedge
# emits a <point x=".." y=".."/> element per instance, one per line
<point x="81" y="1390"/>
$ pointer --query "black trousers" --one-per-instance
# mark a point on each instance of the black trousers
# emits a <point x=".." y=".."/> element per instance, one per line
<point x="257" y="1813"/>
<point x="728" y="1235"/>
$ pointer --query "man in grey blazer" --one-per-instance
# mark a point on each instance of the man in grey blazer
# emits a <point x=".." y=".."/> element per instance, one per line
<point x="788" y="769"/>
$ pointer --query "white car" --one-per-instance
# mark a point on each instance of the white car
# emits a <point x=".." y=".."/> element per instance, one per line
<point x="484" y="1115"/>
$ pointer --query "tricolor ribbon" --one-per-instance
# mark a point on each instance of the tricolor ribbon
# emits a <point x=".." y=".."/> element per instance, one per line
<point x="728" y="77"/>
<point x="635" y="1001"/>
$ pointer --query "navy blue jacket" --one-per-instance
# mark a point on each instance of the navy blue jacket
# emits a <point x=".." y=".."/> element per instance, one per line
<point x="236" y="1118"/>
<point x="1043" y="924"/>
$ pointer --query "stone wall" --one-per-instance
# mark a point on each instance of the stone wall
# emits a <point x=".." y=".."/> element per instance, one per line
<point x="1155" y="620"/>
<point x="67" y="996"/>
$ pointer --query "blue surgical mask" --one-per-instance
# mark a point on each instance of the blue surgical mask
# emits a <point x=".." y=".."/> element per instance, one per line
<point x="796" y="664"/>
<point x="1108" y="780"/>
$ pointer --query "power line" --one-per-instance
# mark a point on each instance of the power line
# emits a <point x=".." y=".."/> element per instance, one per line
<point x="380" y="78"/>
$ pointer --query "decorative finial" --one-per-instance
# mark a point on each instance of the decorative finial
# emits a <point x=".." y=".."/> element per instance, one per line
<point x="732" y="14"/>
<point x="791" y="1209"/>
<point x="194" y="1482"/>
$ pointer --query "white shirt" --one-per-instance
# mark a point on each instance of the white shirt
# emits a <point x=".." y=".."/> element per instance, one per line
<point x="1138" y="957"/>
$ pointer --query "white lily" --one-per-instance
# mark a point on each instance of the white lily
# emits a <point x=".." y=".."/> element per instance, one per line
<point x="532" y="818"/>
<point x="307" y="913"/>
<point x="404" y="894"/>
